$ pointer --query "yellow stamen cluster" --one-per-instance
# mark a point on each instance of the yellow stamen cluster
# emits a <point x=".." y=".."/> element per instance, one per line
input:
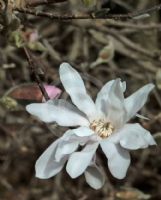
<point x="102" y="128"/>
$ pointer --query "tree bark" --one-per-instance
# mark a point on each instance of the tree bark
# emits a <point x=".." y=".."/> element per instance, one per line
<point x="34" y="3"/>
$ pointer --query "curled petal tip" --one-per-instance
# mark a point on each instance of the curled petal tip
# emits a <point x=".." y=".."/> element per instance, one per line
<point x="64" y="64"/>
<point x="151" y="85"/>
<point x="29" y="108"/>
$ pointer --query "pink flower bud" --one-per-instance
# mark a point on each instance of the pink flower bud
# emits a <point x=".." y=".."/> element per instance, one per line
<point x="52" y="91"/>
<point x="31" y="92"/>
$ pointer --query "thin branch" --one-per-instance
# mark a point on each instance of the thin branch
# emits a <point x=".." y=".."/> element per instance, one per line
<point x="138" y="26"/>
<point x="128" y="43"/>
<point x="103" y="15"/>
<point x="137" y="13"/>
<point x="34" y="3"/>
<point x="54" y="16"/>
<point x="36" y="76"/>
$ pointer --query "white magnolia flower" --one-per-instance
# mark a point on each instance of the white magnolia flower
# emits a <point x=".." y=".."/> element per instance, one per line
<point x="101" y="123"/>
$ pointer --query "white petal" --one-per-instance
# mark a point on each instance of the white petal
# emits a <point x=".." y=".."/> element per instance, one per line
<point x="67" y="145"/>
<point x="58" y="111"/>
<point x="79" y="161"/>
<point x="123" y="86"/>
<point x="83" y="131"/>
<point x="116" y="112"/>
<point x="114" y="106"/>
<point x="118" y="158"/>
<point x="134" y="136"/>
<point x="46" y="166"/>
<point x="94" y="177"/>
<point x="65" y="148"/>
<point x="136" y="101"/>
<point x="74" y="86"/>
<point x="84" y="135"/>
<point x="142" y="117"/>
<point x="104" y="95"/>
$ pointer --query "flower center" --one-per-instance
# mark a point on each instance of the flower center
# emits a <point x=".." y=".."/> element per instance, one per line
<point x="102" y="128"/>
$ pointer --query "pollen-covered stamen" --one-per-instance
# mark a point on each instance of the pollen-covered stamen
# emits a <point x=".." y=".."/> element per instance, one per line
<point x="102" y="128"/>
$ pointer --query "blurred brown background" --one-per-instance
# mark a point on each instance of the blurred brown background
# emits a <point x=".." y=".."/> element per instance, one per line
<point x="100" y="50"/>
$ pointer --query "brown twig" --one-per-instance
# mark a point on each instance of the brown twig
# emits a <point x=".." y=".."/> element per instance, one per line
<point x="128" y="43"/>
<point x="54" y="16"/>
<point x="137" y="13"/>
<point x="36" y="76"/>
<point x="34" y="3"/>
<point x="104" y="15"/>
<point x="138" y="26"/>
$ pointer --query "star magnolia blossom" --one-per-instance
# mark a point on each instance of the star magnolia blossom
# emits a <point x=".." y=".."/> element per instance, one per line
<point x="101" y="123"/>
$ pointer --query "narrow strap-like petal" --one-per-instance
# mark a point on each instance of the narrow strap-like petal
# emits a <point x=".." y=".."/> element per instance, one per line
<point x="134" y="136"/>
<point x="84" y="134"/>
<point x="69" y="143"/>
<point x="46" y="166"/>
<point x="79" y="161"/>
<point x="118" y="158"/>
<point x="59" y="111"/>
<point x="113" y="106"/>
<point x="83" y="131"/>
<point x="94" y="176"/>
<point x="54" y="157"/>
<point x="74" y="86"/>
<point x="65" y="148"/>
<point x="116" y="110"/>
<point x="136" y="101"/>
<point x="142" y="117"/>
<point x="104" y="93"/>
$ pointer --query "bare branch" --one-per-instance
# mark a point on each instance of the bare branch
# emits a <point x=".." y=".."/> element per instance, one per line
<point x="36" y="76"/>
<point x="34" y="3"/>
<point x="102" y="14"/>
